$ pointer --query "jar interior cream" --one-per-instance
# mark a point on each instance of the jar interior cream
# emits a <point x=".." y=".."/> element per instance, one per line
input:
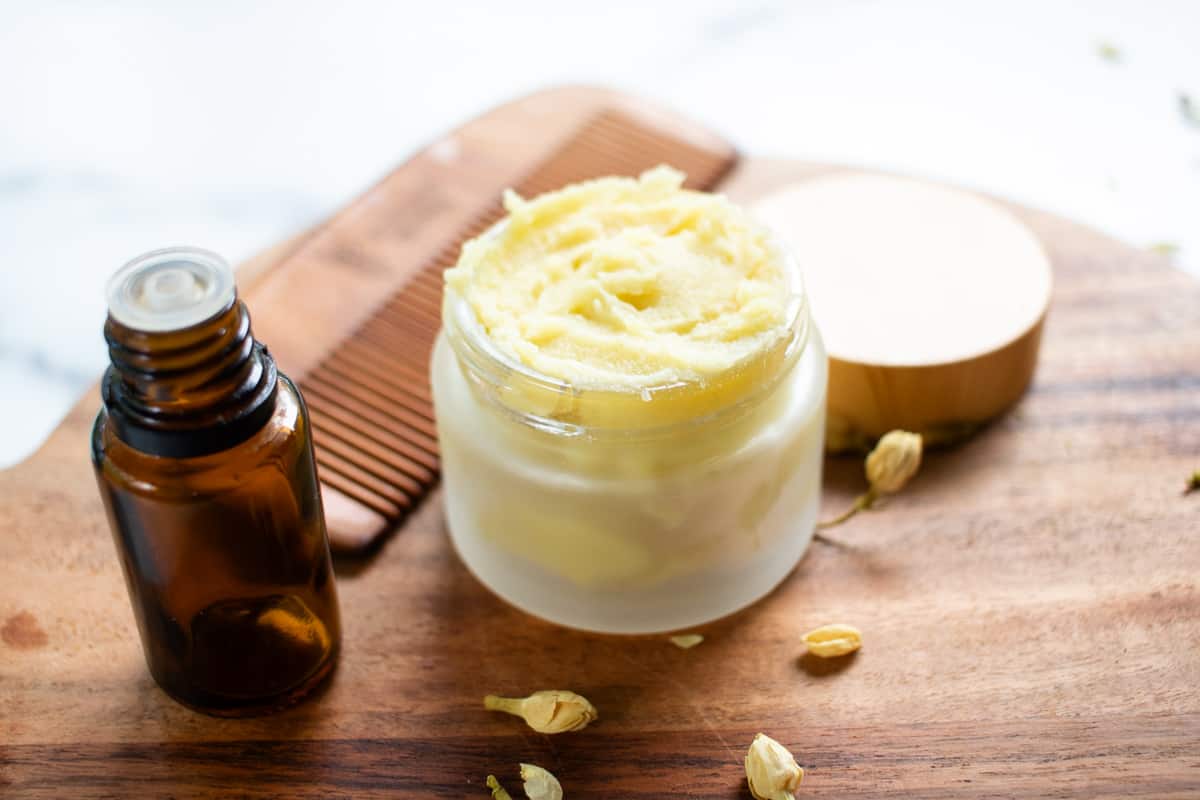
<point x="630" y="398"/>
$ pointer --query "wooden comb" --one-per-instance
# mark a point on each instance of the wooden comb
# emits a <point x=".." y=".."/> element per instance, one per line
<point x="369" y="397"/>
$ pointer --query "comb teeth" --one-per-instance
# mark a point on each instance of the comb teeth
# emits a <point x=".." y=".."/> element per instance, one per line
<point x="369" y="398"/>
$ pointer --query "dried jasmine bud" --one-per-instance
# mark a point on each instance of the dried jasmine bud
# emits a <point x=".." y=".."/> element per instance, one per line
<point x="893" y="462"/>
<point x="540" y="784"/>
<point x="771" y="771"/>
<point x="686" y="641"/>
<point x="498" y="791"/>
<point x="1193" y="484"/>
<point x="831" y="641"/>
<point x="552" y="711"/>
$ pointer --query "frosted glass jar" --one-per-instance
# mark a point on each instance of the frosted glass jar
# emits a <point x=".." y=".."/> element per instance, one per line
<point x="630" y="512"/>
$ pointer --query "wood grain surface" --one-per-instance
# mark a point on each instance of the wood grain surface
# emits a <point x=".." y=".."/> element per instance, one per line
<point x="1030" y="604"/>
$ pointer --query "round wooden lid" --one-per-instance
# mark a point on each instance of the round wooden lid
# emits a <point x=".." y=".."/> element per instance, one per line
<point x="930" y="301"/>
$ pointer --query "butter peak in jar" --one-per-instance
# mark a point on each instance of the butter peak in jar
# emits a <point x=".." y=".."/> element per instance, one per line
<point x="630" y="400"/>
<point x="622" y="282"/>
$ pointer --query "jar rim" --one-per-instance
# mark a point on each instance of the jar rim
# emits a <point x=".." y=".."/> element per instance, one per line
<point x="552" y="404"/>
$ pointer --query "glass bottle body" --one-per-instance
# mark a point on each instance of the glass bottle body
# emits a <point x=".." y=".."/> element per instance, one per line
<point x="227" y="562"/>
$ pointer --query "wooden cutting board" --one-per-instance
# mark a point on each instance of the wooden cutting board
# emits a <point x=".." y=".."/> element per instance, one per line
<point x="1030" y="605"/>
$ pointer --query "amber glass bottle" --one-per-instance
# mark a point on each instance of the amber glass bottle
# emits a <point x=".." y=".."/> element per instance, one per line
<point x="203" y="454"/>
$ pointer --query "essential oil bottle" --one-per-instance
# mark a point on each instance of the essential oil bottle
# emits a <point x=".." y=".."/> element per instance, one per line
<point x="203" y="453"/>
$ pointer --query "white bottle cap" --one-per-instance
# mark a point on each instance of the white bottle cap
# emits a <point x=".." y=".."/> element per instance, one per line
<point x="170" y="289"/>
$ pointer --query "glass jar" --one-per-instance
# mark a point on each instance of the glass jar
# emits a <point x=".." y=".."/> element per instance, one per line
<point x="630" y="512"/>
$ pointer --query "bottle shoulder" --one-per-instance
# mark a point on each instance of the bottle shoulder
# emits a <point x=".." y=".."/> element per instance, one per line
<point x="282" y="439"/>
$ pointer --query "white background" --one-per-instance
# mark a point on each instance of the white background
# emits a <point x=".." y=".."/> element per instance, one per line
<point x="127" y="126"/>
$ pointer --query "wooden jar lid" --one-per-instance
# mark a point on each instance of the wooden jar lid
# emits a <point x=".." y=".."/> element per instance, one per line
<point x="930" y="301"/>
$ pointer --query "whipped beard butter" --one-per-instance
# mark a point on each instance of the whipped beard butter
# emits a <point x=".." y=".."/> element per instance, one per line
<point x="630" y="400"/>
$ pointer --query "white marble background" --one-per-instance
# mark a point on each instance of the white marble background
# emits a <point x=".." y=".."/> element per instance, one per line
<point x="129" y="125"/>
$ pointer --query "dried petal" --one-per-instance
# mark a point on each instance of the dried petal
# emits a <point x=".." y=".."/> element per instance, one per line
<point x="771" y="771"/>
<point x="894" y="461"/>
<point x="1167" y="249"/>
<point x="831" y="641"/>
<point x="498" y="791"/>
<point x="540" y="784"/>
<point x="686" y="641"/>
<point x="550" y="711"/>
<point x="1109" y="52"/>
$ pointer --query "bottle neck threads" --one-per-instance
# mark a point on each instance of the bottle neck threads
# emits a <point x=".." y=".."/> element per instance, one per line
<point x="189" y="392"/>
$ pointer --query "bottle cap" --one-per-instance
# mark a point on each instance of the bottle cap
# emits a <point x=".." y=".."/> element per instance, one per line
<point x="170" y="289"/>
